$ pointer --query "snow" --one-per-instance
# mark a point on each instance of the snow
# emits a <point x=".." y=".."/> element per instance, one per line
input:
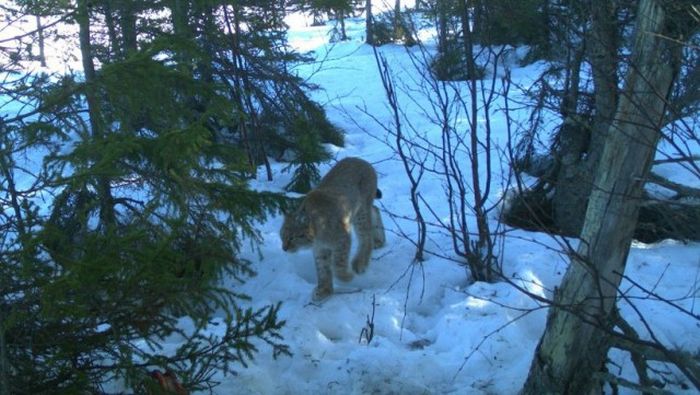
<point x="434" y="331"/>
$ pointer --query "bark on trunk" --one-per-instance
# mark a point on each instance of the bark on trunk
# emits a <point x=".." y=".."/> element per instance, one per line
<point x="398" y="31"/>
<point x="582" y="144"/>
<point x="179" y="17"/>
<point x="107" y="214"/>
<point x="574" y="344"/>
<point x="114" y="46"/>
<point x="369" y="23"/>
<point x="341" y="18"/>
<point x="4" y="362"/>
<point x="603" y="44"/>
<point x="442" y="27"/>
<point x="575" y="173"/>
<point x="40" y="31"/>
<point x="127" y="22"/>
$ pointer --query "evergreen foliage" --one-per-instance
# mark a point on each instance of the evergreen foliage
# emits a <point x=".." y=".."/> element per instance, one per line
<point x="504" y="22"/>
<point x="128" y="233"/>
<point x="308" y="151"/>
<point x="449" y="64"/>
<point x="337" y="8"/>
<point x="382" y="29"/>
<point x="389" y="28"/>
<point x="259" y="81"/>
<point x="487" y="23"/>
<point x="282" y="127"/>
<point x="86" y="300"/>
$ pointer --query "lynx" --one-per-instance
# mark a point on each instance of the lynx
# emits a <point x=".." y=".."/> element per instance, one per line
<point x="342" y="200"/>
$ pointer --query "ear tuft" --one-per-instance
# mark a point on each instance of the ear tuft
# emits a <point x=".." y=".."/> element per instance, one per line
<point x="292" y="205"/>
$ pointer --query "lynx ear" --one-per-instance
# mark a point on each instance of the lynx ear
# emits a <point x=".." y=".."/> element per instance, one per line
<point x="296" y="210"/>
<point x="300" y="206"/>
<point x="300" y="213"/>
<point x="292" y="204"/>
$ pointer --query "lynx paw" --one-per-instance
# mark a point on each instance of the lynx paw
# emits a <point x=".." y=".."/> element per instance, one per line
<point x="345" y="275"/>
<point x="378" y="242"/>
<point x="319" y="295"/>
<point x="359" y="265"/>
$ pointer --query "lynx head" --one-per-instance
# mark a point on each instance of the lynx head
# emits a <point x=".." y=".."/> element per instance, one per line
<point x="296" y="230"/>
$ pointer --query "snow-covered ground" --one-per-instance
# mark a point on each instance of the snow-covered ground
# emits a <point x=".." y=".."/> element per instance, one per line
<point x="434" y="332"/>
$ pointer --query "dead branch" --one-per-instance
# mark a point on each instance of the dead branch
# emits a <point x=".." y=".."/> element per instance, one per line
<point x="693" y="158"/>
<point x="367" y="332"/>
<point x="653" y="351"/>
<point x="680" y="189"/>
<point x="619" y="381"/>
<point x="638" y="360"/>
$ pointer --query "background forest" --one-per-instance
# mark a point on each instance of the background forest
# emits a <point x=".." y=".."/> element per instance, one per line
<point x="539" y="162"/>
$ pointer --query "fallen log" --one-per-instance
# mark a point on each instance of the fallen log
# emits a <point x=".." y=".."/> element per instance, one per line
<point x="677" y="218"/>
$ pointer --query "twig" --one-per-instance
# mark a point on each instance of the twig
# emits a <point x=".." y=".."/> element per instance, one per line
<point x="367" y="332"/>
<point x="612" y="379"/>
<point x="694" y="158"/>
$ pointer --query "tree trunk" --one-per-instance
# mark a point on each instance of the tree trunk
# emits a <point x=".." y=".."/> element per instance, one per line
<point x="115" y="49"/>
<point x="127" y="23"/>
<point x="442" y="71"/>
<point x="179" y="14"/>
<point x="249" y="123"/>
<point x="317" y="18"/>
<point x="442" y="27"/>
<point x="341" y="18"/>
<point x="83" y="19"/>
<point x="42" y="52"/>
<point x="575" y="172"/>
<point x="4" y="362"/>
<point x="369" y="24"/>
<point x="104" y="191"/>
<point x="603" y="44"/>
<point x="398" y="31"/>
<point x="574" y="346"/>
<point x="581" y="144"/>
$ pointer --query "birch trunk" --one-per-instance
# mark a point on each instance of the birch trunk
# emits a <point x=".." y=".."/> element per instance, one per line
<point x="42" y="51"/>
<point x="573" y="346"/>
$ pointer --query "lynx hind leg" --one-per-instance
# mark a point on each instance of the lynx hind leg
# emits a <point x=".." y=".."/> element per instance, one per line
<point x="324" y="274"/>
<point x="378" y="234"/>
<point x="363" y="228"/>
<point x="341" y="255"/>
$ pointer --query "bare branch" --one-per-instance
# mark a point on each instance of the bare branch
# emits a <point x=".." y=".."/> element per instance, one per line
<point x="680" y="189"/>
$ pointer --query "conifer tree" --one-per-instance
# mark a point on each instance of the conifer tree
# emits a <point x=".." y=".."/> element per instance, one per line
<point x="130" y="218"/>
<point x="307" y="153"/>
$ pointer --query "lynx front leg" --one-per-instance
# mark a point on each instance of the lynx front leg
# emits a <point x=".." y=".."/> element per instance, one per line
<point x="324" y="274"/>
<point x="363" y="228"/>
